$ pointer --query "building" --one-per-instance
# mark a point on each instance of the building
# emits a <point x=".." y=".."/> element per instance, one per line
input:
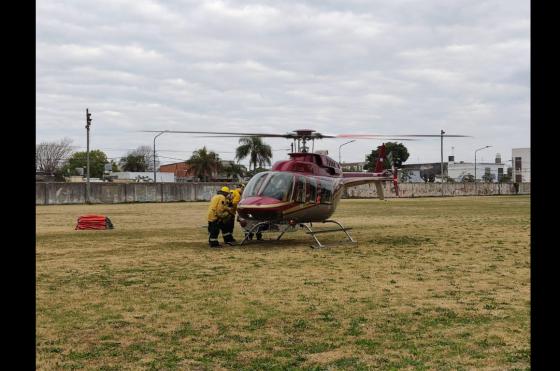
<point x="82" y="179"/>
<point x="496" y="169"/>
<point x="456" y="170"/>
<point x="144" y="176"/>
<point x="352" y="166"/>
<point x="521" y="163"/>
<point x="184" y="173"/>
<point x="180" y="169"/>
<point x="418" y="172"/>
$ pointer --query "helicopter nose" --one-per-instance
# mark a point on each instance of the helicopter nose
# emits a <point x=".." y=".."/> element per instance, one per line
<point x="259" y="201"/>
<point x="259" y="208"/>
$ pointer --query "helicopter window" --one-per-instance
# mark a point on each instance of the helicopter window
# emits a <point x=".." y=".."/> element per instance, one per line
<point x="310" y="190"/>
<point x="326" y="192"/>
<point x="278" y="186"/>
<point x="299" y="189"/>
<point x="254" y="184"/>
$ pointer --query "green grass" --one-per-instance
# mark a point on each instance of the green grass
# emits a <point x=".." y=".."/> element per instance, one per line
<point x="432" y="284"/>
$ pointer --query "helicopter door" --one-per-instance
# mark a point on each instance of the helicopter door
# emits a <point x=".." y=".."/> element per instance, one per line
<point x="310" y="190"/>
<point x="299" y="189"/>
<point x="326" y="191"/>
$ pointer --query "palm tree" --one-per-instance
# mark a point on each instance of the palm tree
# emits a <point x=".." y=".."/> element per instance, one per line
<point x="204" y="163"/>
<point x="232" y="170"/>
<point x="253" y="147"/>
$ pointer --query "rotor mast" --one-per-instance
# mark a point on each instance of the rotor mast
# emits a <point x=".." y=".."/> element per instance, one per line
<point x="302" y="136"/>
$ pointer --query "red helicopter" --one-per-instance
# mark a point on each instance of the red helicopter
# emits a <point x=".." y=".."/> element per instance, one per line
<point x="304" y="189"/>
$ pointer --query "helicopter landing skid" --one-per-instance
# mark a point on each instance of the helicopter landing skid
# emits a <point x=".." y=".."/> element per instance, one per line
<point x="341" y="228"/>
<point x="257" y="228"/>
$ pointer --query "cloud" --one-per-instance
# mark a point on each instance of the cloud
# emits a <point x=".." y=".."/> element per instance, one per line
<point x="338" y="67"/>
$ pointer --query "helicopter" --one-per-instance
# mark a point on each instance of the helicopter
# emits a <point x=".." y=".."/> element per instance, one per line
<point x="306" y="188"/>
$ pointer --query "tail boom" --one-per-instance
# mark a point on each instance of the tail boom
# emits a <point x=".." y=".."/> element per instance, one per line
<point x="380" y="174"/>
<point x="377" y="179"/>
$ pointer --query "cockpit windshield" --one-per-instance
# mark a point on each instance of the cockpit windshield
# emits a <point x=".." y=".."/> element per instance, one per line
<point x="254" y="184"/>
<point x="270" y="184"/>
<point x="278" y="186"/>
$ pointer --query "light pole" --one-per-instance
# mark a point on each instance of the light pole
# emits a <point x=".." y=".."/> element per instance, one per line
<point x="155" y="179"/>
<point x="88" y="123"/>
<point x="340" y="146"/>
<point x="442" y="132"/>
<point x="475" y="163"/>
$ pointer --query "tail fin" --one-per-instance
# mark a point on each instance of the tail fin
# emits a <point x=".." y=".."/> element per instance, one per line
<point x="379" y="164"/>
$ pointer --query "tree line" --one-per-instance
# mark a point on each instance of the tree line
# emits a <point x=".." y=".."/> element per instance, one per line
<point x="58" y="158"/>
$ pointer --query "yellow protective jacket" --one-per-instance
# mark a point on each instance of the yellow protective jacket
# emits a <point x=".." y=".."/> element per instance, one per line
<point x="236" y="197"/>
<point x="218" y="208"/>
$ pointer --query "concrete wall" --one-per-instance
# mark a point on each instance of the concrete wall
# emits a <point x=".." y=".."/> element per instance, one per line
<point x="75" y="193"/>
<point x="434" y="190"/>
<point x="101" y="193"/>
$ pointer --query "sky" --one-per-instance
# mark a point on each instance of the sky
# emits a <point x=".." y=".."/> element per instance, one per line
<point x="337" y="67"/>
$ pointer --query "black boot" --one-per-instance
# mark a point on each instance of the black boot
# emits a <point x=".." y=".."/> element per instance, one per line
<point x="229" y="240"/>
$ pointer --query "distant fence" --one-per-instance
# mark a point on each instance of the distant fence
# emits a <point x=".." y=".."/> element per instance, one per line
<point x="109" y="193"/>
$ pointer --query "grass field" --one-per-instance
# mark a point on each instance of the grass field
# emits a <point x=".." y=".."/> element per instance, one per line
<point x="434" y="283"/>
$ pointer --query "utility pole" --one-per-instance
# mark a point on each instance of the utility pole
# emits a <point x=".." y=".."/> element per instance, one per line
<point x="88" y="123"/>
<point x="442" y="132"/>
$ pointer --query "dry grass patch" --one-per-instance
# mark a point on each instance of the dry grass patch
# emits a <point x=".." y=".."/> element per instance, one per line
<point x="432" y="284"/>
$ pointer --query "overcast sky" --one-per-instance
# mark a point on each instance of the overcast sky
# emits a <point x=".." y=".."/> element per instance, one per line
<point x="384" y="67"/>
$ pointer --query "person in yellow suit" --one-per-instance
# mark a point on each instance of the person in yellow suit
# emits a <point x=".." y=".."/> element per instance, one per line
<point x="229" y="223"/>
<point x="218" y="211"/>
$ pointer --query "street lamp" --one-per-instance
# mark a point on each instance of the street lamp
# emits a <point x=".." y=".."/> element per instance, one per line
<point x="340" y="146"/>
<point x="155" y="179"/>
<point x="442" y="132"/>
<point x="475" y="162"/>
<point x="88" y="123"/>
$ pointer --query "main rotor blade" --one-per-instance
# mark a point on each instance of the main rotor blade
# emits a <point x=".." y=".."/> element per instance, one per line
<point x="404" y="139"/>
<point x="321" y="136"/>
<point x="225" y="134"/>
<point x="373" y="136"/>
<point x="218" y="133"/>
